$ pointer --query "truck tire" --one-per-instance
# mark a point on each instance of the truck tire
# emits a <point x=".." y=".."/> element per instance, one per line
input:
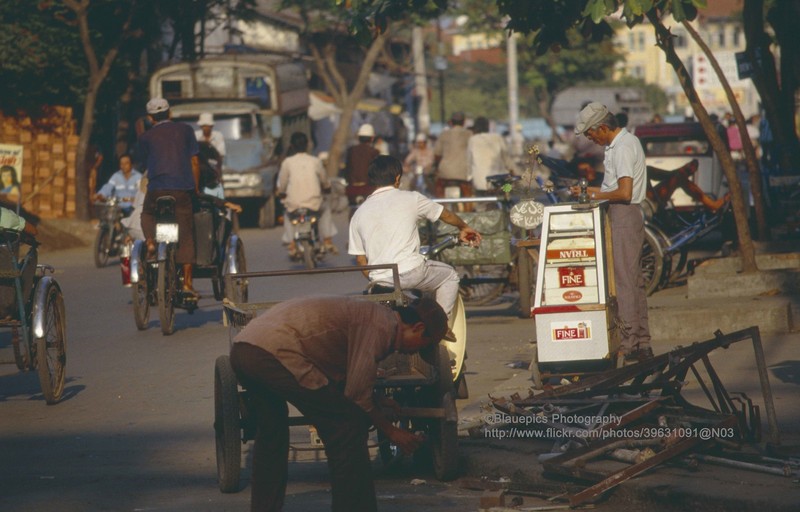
<point x="266" y="214"/>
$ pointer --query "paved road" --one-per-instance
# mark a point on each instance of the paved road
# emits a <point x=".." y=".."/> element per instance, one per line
<point x="134" y="431"/>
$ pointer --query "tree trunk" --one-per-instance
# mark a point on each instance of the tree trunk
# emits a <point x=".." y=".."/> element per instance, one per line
<point x="779" y="113"/>
<point x="345" y="100"/>
<point x="665" y="41"/>
<point x="750" y="153"/>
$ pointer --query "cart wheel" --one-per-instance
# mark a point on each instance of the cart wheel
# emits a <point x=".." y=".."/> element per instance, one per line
<point x="444" y="444"/>
<point x="102" y="245"/>
<point x="51" y="347"/>
<point x="167" y="278"/>
<point x="227" y="427"/>
<point x="235" y="287"/>
<point x="526" y="281"/>
<point x="536" y="374"/>
<point x="480" y="294"/>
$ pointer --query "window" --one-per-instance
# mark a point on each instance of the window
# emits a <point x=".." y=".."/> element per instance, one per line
<point x="737" y="37"/>
<point x="721" y="37"/>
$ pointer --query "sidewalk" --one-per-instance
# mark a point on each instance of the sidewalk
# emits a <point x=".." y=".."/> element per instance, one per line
<point x="680" y="320"/>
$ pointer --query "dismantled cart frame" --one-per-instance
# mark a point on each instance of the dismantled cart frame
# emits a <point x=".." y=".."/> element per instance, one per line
<point x="637" y="414"/>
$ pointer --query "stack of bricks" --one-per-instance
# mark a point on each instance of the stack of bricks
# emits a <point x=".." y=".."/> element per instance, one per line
<point x="50" y="147"/>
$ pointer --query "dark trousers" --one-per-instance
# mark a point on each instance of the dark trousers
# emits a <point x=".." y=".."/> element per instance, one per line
<point x="340" y="423"/>
<point x="185" y="218"/>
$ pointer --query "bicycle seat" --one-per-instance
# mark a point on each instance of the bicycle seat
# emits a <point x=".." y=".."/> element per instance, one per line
<point x="379" y="289"/>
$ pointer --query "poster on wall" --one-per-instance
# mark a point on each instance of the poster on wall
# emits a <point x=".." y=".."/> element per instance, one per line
<point x="10" y="171"/>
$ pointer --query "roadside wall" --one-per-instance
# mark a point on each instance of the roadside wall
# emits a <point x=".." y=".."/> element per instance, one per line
<point x="48" y="166"/>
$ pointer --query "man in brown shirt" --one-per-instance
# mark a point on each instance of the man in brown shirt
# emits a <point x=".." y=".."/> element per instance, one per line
<point x="358" y="158"/>
<point x="321" y="354"/>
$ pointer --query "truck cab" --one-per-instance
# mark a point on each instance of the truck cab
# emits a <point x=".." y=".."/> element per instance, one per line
<point x="257" y="101"/>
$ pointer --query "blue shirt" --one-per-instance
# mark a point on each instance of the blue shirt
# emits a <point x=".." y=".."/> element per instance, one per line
<point x="167" y="150"/>
<point x="118" y="186"/>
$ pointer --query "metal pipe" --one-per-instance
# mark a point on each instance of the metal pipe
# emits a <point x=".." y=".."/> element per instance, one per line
<point x="784" y="471"/>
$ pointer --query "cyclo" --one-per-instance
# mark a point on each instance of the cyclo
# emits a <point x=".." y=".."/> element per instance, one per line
<point x="32" y="305"/>
<point x="219" y="252"/>
<point x="425" y="389"/>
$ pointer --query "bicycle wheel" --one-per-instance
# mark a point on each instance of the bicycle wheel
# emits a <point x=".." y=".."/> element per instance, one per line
<point x="236" y="287"/>
<point x="482" y="284"/>
<point x="526" y="280"/>
<point x="141" y="304"/>
<point x="654" y="261"/>
<point x="51" y="347"/>
<point x="102" y="246"/>
<point x="167" y="277"/>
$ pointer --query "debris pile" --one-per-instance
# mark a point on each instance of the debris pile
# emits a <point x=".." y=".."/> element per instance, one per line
<point x="611" y="426"/>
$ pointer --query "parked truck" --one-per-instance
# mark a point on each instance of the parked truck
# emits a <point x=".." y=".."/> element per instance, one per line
<point x="257" y="101"/>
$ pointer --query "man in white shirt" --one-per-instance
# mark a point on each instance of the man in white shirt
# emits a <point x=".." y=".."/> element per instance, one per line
<point x="487" y="155"/>
<point x="384" y="230"/>
<point x="624" y="187"/>
<point x="301" y="182"/>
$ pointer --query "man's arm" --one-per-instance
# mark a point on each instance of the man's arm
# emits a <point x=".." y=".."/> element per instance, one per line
<point x="465" y="233"/>
<point x="361" y="261"/>
<point x="196" y="173"/>
<point x="621" y="194"/>
<point x="407" y="441"/>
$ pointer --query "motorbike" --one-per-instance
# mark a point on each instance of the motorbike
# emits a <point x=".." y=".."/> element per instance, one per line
<point x="110" y="234"/>
<point x="306" y="236"/>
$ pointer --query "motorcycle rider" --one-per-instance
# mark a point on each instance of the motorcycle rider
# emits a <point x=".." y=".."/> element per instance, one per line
<point x="123" y="184"/>
<point x="301" y="182"/>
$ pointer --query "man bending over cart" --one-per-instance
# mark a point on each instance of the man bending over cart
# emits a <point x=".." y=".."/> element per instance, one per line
<point x="321" y="354"/>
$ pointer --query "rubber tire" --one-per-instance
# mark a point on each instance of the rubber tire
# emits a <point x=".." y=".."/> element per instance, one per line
<point x="218" y="286"/>
<point x="526" y="282"/>
<point x="444" y="445"/>
<point x="266" y="214"/>
<point x="141" y="304"/>
<point x="227" y="425"/>
<point x="236" y="288"/>
<point x="51" y="349"/>
<point x="102" y="247"/>
<point x="309" y="258"/>
<point x="654" y="261"/>
<point x="167" y="279"/>
<point x="481" y="294"/>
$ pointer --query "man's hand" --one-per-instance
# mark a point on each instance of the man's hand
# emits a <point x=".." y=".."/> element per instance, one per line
<point x="404" y="439"/>
<point x="233" y="206"/>
<point x="100" y="197"/>
<point x="470" y="237"/>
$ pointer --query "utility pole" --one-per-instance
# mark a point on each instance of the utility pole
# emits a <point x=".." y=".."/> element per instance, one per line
<point x="440" y="63"/>
<point x="513" y="96"/>
<point x="420" y="81"/>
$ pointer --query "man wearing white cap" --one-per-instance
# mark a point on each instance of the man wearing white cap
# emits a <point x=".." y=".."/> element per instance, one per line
<point x="169" y="151"/>
<point x="624" y="187"/>
<point x="357" y="159"/>
<point x="207" y="134"/>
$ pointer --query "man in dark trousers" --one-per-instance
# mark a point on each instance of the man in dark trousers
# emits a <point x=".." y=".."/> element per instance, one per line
<point x="321" y="354"/>
<point x="169" y="151"/>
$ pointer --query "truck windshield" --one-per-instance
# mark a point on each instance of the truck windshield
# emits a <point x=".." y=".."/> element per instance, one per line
<point x="244" y="154"/>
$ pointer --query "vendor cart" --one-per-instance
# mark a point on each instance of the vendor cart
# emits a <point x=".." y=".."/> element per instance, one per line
<point x="425" y="390"/>
<point x="575" y="298"/>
